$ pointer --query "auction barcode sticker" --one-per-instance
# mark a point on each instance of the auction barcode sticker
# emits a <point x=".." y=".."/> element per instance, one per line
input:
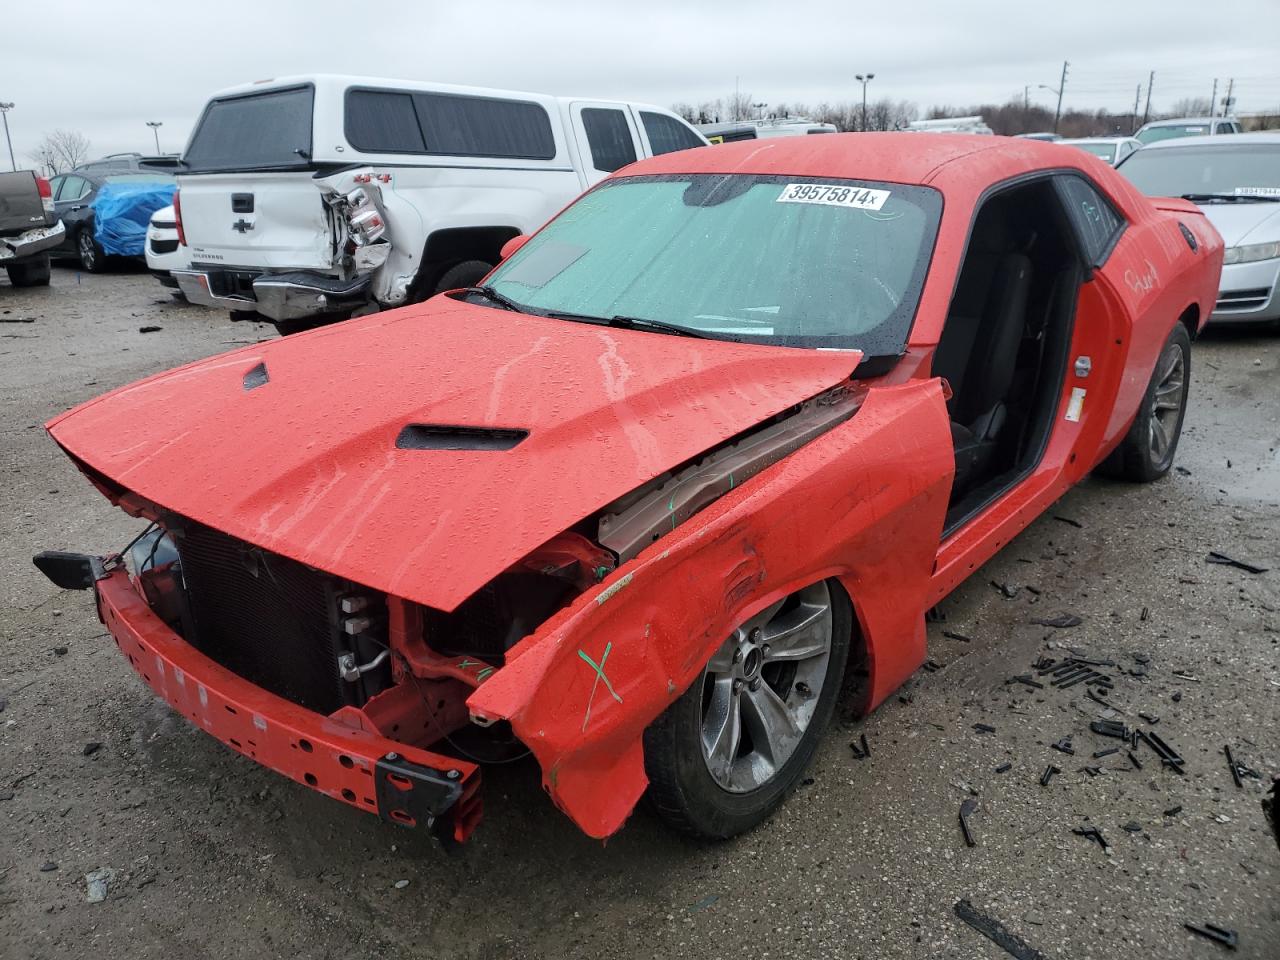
<point x="834" y="195"/>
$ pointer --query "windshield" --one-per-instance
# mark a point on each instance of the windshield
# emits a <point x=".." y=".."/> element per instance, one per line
<point x="1239" y="169"/>
<point x="261" y="131"/>
<point x="1107" y="151"/>
<point x="759" y="259"/>
<point x="1173" y="131"/>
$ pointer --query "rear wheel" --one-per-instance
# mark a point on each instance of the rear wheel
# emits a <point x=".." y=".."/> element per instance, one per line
<point x="92" y="257"/>
<point x="723" y="756"/>
<point x="465" y="274"/>
<point x="1146" y="453"/>
<point x="33" y="273"/>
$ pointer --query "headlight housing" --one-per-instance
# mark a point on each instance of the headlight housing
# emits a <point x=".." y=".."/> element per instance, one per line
<point x="1252" y="252"/>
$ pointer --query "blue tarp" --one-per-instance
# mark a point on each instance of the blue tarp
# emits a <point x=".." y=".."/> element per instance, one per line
<point x="121" y="212"/>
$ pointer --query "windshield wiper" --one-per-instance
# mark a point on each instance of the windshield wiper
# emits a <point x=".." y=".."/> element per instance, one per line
<point x="493" y="296"/>
<point x="1230" y="197"/>
<point x="634" y="323"/>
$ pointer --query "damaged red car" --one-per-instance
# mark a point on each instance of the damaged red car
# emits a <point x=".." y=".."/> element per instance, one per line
<point x="696" y="456"/>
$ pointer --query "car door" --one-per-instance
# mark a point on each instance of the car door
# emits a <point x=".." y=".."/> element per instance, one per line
<point x="71" y="204"/>
<point x="607" y="138"/>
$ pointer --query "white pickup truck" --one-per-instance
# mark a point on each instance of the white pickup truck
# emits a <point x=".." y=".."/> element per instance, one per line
<point x="307" y="198"/>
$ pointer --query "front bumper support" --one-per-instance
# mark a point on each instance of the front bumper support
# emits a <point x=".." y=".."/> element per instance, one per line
<point x="403" y="784"/>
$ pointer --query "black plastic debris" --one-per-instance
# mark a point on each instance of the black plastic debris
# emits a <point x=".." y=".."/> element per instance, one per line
<point x="1168" y="756"/>
<point x="1231" y="765"/>
<point x="1068" y="521"/>
<point x="1094" y="834"/>
<point x="1133" y="826"/>
<point x="1228" y="938"/>
<point x="1110" y="728"/>
<point x="1145" y="615"/>
<point x="861" y="750"/>
<point x="1177" y="696"/>
<point x="932" y="666"/>
<point x="91" y="748"/>
<point x="1092" y="771"/>
<point x="1025" y="678"/>
<point x="1004" y="768"/>
<point x="995" y="931"/>
<point x="1060" y="622"/>
<point x="953" y="635"/>
<point x="1099" y="754"/>
<point x="150" y="329"/>
<point x="1134" y="760"/>
<point x="1149" y="717"/>
<point x="1222" y="559"/>
<point x="1049" y="771"/>
<point x="1064" y="746"/>
<point x="1173" y="811"/>
<point x="966" y="810"/>
<point x="984" y="728"/>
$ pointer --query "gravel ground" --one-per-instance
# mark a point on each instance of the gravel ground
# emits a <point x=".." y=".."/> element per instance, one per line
<point x="216" y="857"/>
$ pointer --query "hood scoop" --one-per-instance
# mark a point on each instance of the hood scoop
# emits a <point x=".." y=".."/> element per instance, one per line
<point x="433" y="436"/>
<point x="256" y="377"/>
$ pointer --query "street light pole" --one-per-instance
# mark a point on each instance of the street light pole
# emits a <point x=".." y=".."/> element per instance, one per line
<point x="155" y="128"/>
<point x="4" y="112"/>
<point x="864" y="80"/>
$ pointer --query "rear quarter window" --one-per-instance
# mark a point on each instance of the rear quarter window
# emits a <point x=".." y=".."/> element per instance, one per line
<point x="609" y="137"/>
<point x="1098" y="222"/>
<point x="667" y="134"/>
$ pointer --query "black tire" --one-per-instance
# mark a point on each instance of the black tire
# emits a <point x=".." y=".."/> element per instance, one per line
<point x="1140" y="458"/>
<point x="682" y="789"/>
<point x="93" y="259"/>
<point x="465" y="274"/>
<point x="32" y="273"/>
<point x="302" y="324"/>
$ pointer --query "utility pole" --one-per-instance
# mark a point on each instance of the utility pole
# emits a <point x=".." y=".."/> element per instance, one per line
<point x="1213" y="99"/>
<point x="1062" y="85"/>
<point x="155" y="128"/>
<point x="4" y="112"/>
<point x="1146" y="111"/>
<point x="1137" y="98"/>
<point x="864" y="80"/>
<point x="1226" y="101"/>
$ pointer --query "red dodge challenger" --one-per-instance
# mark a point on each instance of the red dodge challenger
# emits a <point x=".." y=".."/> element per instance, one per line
<point x="704" y="447"/>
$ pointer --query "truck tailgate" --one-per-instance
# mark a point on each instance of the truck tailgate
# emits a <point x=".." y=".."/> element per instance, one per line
<point x="272" y="221"/>
<point x="20" y="205"/>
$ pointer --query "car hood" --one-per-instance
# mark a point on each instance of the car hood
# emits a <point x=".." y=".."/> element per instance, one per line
<point x="292" y="444"/>
<point x="1244" y="222"/>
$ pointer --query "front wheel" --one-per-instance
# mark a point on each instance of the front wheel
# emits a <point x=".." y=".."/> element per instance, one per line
<point x="1147" y="450"/>
<point x="33" y="273"/>
<point x="465" y="274"/>
<point x="723" y="756"/>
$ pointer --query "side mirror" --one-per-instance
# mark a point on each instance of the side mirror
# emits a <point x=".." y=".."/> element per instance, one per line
<point x="512" y="245"/>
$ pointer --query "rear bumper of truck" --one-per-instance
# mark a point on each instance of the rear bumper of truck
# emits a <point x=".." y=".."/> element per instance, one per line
<point x="30" y="243"/>
<point x="278" y="296"/>
<point x="333" y="755"/>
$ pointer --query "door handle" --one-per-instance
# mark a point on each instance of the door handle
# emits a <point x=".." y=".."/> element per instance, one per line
<point x="78" y="206"/>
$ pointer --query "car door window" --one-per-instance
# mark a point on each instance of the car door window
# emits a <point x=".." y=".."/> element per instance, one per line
<point x="667" y="134"/>
<point x="608" y="137"/>
<point x="73" y="188"/>
<point x="55" y="185"/>
<point x="1223" y="128"/>
<point x="1097" y="222"/>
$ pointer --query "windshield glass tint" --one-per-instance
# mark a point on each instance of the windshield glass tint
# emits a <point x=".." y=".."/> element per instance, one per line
<point x="262" y="131"/>
<point x="760" y="259"/>
<point x="1239" y="169"/>
<point x="1173" y="131"/>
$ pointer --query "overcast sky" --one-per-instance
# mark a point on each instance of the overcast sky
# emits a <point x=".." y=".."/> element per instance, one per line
<point x="104" y="67"/>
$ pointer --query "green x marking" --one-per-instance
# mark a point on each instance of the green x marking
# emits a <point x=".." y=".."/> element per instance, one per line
<point x="600" y="675"/>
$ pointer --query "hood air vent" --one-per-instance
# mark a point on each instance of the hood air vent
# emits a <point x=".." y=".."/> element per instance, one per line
<point x="431" y="436"/>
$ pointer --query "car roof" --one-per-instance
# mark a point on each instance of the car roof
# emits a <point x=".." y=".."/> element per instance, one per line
<point x="1216" y="143"/>
<point x="909" y="158"/>
<point x="1182" y="121"/>
<point x="1096" y="140"/>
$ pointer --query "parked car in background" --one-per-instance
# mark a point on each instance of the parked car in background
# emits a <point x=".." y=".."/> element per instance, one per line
<point x="106" y="215"/>
<point x="307" y="198"/>
<point x="1046" y="135"/>
<point x="29" y="228"/>
<point x="1236" y="182"/>
<point x="951" y="125"/>
<point x="1110" y="149"/>
<point x="693" y="464"/>
<point x="1175" y="128"/>
<point x="735" y="130"/>
<point x="165" y="252"/>
<point x="129" y="163"/>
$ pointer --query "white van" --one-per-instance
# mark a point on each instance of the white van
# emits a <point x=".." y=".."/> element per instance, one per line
<point x="306" y="198"/>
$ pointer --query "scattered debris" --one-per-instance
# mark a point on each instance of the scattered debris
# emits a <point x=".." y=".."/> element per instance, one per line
<point x="1177" y="696"/>
<point x="932" y="666"/>
<point x="1008" y="590"/>
<point x="1099" y="754"/>
<point x="1133" y="826"/>
<point x="1228" y="938"/>
<point x="6" y="795"/>
<point x="48" y="866"/>
<point x="966" y="810"/>
<point x="1094" y="834"/>
<point x="400" y="884"/>
<point x="1137" y="764"/>
<point x="710" y="900"/>
<point x="1186" y="676"/>
<point x="1025" y="678"/>
<point x="1061" y="621"/>
<point x="1064" y="746"/>
<point x="1004" y="768"/>
<point x="1145" y="615"/>
<point x="984" y="728"/>
<point x="1168" y="756"/>
<point x="1149" y="717"/>
<point x="1092" y="771"/>
<point x="1173" y="811"/>
<point x="863" y="751"/>
<point x="3" y="703"/>
<point x="1049" y="771"/>
<point x="1231" y="765"/>
<point x="59" y="651"/>
<point x="1222" y="559"/>
<point x="995" y="931"/>
<point x="150" y="329"/>
<point x="92" y="747"/>
<point x="1271" y="808"/>
<point x="952" y="635"/>
<point x="1068" y="521"/>
<point x="1110" y="728"/>
<point x="97" y="883"/>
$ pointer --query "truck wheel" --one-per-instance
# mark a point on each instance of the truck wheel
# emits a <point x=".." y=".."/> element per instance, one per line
<point x="723" y="756"/>
<point x="1147" y="450"/>
<point x="33" y="273"/>
<point x="465" y="274"/>
<point x="92" y="257"/>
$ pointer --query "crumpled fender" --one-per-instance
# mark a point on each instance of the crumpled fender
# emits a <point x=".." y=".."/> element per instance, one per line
<point x="864" y="502"/>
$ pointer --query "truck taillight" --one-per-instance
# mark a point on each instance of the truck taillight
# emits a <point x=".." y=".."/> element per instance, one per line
<point x="177" y="217"/>
<point x="46" y="194"/>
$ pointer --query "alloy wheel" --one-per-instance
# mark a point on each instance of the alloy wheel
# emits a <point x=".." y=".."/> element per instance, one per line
<point x="1166" y="401"/>
<point x="88" y="256"/>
